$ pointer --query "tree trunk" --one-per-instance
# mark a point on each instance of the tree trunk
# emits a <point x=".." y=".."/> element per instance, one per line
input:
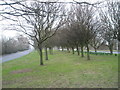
<point x="88" y="55"/>
<point x="73" y="50"/>
<point x="62" y="48"/>
<point x="82" y="54"/>
<point x="41" y="57"/>
<point x="111" y="49"/>
<point x="46" y="54"/>
<point x="95" y="51"/>
<point x="51" y="50"/>
<point x="77" y="50"/>
<point x="68" y="50"/>
<point x="58" y="48"/>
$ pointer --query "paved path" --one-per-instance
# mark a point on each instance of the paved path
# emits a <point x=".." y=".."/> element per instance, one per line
<point x="12" y="56"/>
<point x="107" y="52"/>
<point x="99" y="51"/>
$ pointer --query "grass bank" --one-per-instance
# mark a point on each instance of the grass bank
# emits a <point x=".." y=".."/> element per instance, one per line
<point x="62" y="70"/>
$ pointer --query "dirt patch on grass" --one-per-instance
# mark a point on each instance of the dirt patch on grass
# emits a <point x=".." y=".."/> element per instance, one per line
<point x="21" y="71"/>
<point x="89" y="72"/>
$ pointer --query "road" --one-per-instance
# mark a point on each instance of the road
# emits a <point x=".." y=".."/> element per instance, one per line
<point x="106" y="52"/>
<point x="99" y="51"/>
<point x="12" y="56"/>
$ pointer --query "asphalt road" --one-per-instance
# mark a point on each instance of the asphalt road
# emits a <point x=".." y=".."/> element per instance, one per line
<point x="12" y="56"/>
<point x="106" y="52"/>
<point x="99" y="51"/>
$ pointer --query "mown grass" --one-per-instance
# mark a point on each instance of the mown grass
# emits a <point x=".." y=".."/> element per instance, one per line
<point x="62" y="70"/>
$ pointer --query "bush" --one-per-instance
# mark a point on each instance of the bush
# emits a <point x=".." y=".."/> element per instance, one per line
<point x="12" y="45"/>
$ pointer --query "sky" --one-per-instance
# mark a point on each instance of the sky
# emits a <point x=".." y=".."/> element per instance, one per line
<point x="4" y="24"/>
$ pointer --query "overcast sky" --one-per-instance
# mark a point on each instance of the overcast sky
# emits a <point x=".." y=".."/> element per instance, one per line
<point x="5" y="23"/>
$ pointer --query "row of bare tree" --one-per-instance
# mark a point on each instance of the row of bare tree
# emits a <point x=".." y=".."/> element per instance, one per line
<point x="83" y="28"/>
<point x="50" y="24"/>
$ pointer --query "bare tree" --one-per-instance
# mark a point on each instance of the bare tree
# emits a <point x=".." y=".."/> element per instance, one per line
<point x="110" y="22"/>
<point x="79" y="28"/>
<point x="49" y="44"/>
<point x="97" y="39"/>
<point x="41" y="20"/>
<point x="84" y="15"/>
<point x="72" y="30"/>
<point x="96" y="42"/>
<point x="23" y="42"/>
<point x="114" y="17"/>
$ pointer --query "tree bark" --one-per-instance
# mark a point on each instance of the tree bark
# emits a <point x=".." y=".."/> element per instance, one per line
<point x="88" y="55"/>
<point x="68" y="50"/>
<point x="111" y="49"/>
<point x="41" y="57"/>
<point x="82" y="54"/>
<point x="62" y="48"/>
<point x="51" y="50"/>
<point x="77" y="50"/>
<point x="58" y="48"/>
<point x="46" y="54"/>
<point x="95" y="51"/>
<point x="72" y="50"/>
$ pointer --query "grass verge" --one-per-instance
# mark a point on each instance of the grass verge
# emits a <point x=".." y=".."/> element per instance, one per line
<point x="62" y="70"/>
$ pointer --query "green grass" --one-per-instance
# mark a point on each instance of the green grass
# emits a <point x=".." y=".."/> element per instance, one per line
<point x="62" y="70"/>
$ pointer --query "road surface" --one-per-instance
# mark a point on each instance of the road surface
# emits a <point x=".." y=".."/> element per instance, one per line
<point x="107" y="52"/>
<point x="12" y="56"/>
<point x="99" y="51"/>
